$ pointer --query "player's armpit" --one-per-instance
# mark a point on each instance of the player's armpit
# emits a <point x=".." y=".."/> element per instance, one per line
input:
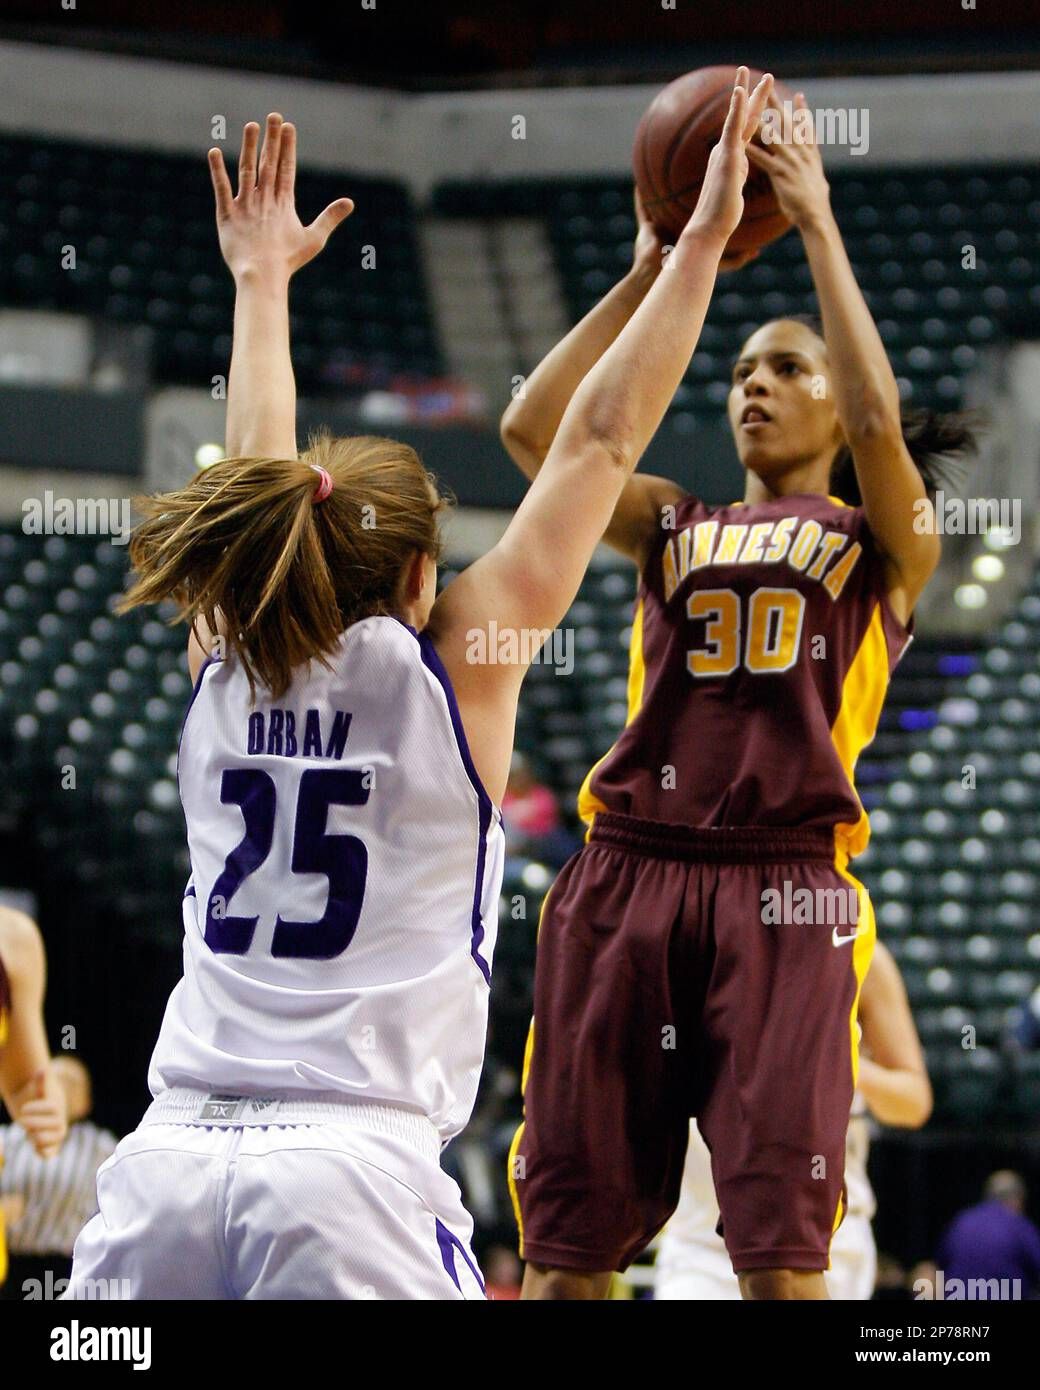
<point x="904" y="587"/>
<point x="639" y="515"/>
<point x="896" y="508"/>
<point x="900" y="599"/>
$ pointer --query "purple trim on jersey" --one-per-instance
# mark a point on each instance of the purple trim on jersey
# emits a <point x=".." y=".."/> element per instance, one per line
<point x="431" y="658"/>
<point x="432" y="661"/>
<point x="209" y="661"/>
<point x="448" y="1244"/>
<point x="189" y="892"/>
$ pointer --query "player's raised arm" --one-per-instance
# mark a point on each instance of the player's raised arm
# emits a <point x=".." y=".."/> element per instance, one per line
<point x="264" y="243"/>
<point x="866" y="395"/>
<point x="531" y="420"/>
<point x="530" y="578"/>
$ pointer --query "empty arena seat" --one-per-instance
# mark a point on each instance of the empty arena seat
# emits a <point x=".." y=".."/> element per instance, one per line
<point x="905" y="238"/>
<point x="148" y="254"/>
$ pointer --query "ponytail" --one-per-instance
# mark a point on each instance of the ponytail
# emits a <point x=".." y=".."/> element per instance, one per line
<point x="936" y="442"/>
<point x="247" y="541"/>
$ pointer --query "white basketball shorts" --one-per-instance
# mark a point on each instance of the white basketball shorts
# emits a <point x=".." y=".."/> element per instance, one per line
<point x="224" y="1197"/>
<point x="699" y="1270"/>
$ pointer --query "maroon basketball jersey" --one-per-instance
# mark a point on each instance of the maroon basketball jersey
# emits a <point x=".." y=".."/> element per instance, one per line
<point x="762" y="646"/>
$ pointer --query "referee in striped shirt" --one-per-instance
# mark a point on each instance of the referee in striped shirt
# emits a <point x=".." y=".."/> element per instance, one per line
<point x="48" y="1201"/>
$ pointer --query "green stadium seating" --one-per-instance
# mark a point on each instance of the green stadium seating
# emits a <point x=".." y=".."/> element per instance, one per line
<point x="905" y="243"/>
<point x="142" y="224"/>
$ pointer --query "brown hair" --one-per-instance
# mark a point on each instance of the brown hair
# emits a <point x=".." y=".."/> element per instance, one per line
<point x="246" y="537"/>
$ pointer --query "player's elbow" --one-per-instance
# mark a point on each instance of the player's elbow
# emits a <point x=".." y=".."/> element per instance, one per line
<point x="21" y="944"/>
<point x="607" y="447"/>
<point x="516" y="439"/>
<point x="873" y="417"/>
<point x="509" y="425"/>
<point x="920" y="1105"/>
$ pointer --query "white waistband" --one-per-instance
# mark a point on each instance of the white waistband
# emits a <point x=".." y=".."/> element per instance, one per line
<point x="218" y="1109"/>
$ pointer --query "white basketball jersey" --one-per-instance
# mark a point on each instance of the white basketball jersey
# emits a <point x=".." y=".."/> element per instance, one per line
<point x="862" y="1201"/>
<point x="346" y="864"/>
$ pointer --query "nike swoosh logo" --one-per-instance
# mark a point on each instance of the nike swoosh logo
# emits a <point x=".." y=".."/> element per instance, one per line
<point x="842" y="940"/>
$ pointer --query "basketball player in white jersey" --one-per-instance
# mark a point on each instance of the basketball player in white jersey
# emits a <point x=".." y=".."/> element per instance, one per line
<point x="341" y="765"/>
<point x="692" y="1262"/>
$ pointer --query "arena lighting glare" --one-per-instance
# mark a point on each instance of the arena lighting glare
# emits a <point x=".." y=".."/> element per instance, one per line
<point x="536" y="876"/>
<point x="970" y="596"/>
<point x="206" y="455"/>
<point x="988" y="567"/>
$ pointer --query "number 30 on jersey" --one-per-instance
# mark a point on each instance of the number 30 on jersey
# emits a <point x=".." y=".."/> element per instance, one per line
<point x="764" y="640"/>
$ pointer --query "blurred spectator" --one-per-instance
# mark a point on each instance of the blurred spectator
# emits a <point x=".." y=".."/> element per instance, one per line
<point x="995" y="1239"/>
<point x="891" y="1283"/>
<point x="1026" y="1031"/>
<point x="529" y="807"/>
<point x="48" y="1201"/>
<point x="502" y="1272"/>
<point x="532" y="817"/>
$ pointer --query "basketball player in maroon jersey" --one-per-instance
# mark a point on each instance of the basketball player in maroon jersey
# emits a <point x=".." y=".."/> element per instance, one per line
<point x="764" y="636"/>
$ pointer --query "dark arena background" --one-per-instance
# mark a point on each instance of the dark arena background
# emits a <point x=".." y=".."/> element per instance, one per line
<point x="488" y="151"/>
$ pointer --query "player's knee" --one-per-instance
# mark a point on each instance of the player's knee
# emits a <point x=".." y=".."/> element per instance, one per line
<point x="544" y="1283"/>
<point x="756" y="1284"/>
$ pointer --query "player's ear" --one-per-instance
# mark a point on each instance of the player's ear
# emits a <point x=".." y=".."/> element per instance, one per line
<point x="414" y="576"/>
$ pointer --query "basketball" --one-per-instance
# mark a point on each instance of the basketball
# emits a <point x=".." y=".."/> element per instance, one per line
<point x="673" y="140"/>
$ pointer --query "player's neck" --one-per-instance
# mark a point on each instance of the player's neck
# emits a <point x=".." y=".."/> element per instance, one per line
<point x="813" y="476"/>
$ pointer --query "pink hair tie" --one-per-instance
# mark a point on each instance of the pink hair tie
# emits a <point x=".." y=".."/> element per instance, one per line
<point x="324" y="488"/>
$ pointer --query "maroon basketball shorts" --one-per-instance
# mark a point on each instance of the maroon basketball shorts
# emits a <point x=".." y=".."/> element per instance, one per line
<point x="682" y="972"/>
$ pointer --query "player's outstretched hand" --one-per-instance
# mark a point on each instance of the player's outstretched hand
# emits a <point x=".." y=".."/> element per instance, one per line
<point x="259" y="227"/>
<point x="795" y="168"/>
<point x="41" y="1109"/>
<point x="721" y="204"/>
